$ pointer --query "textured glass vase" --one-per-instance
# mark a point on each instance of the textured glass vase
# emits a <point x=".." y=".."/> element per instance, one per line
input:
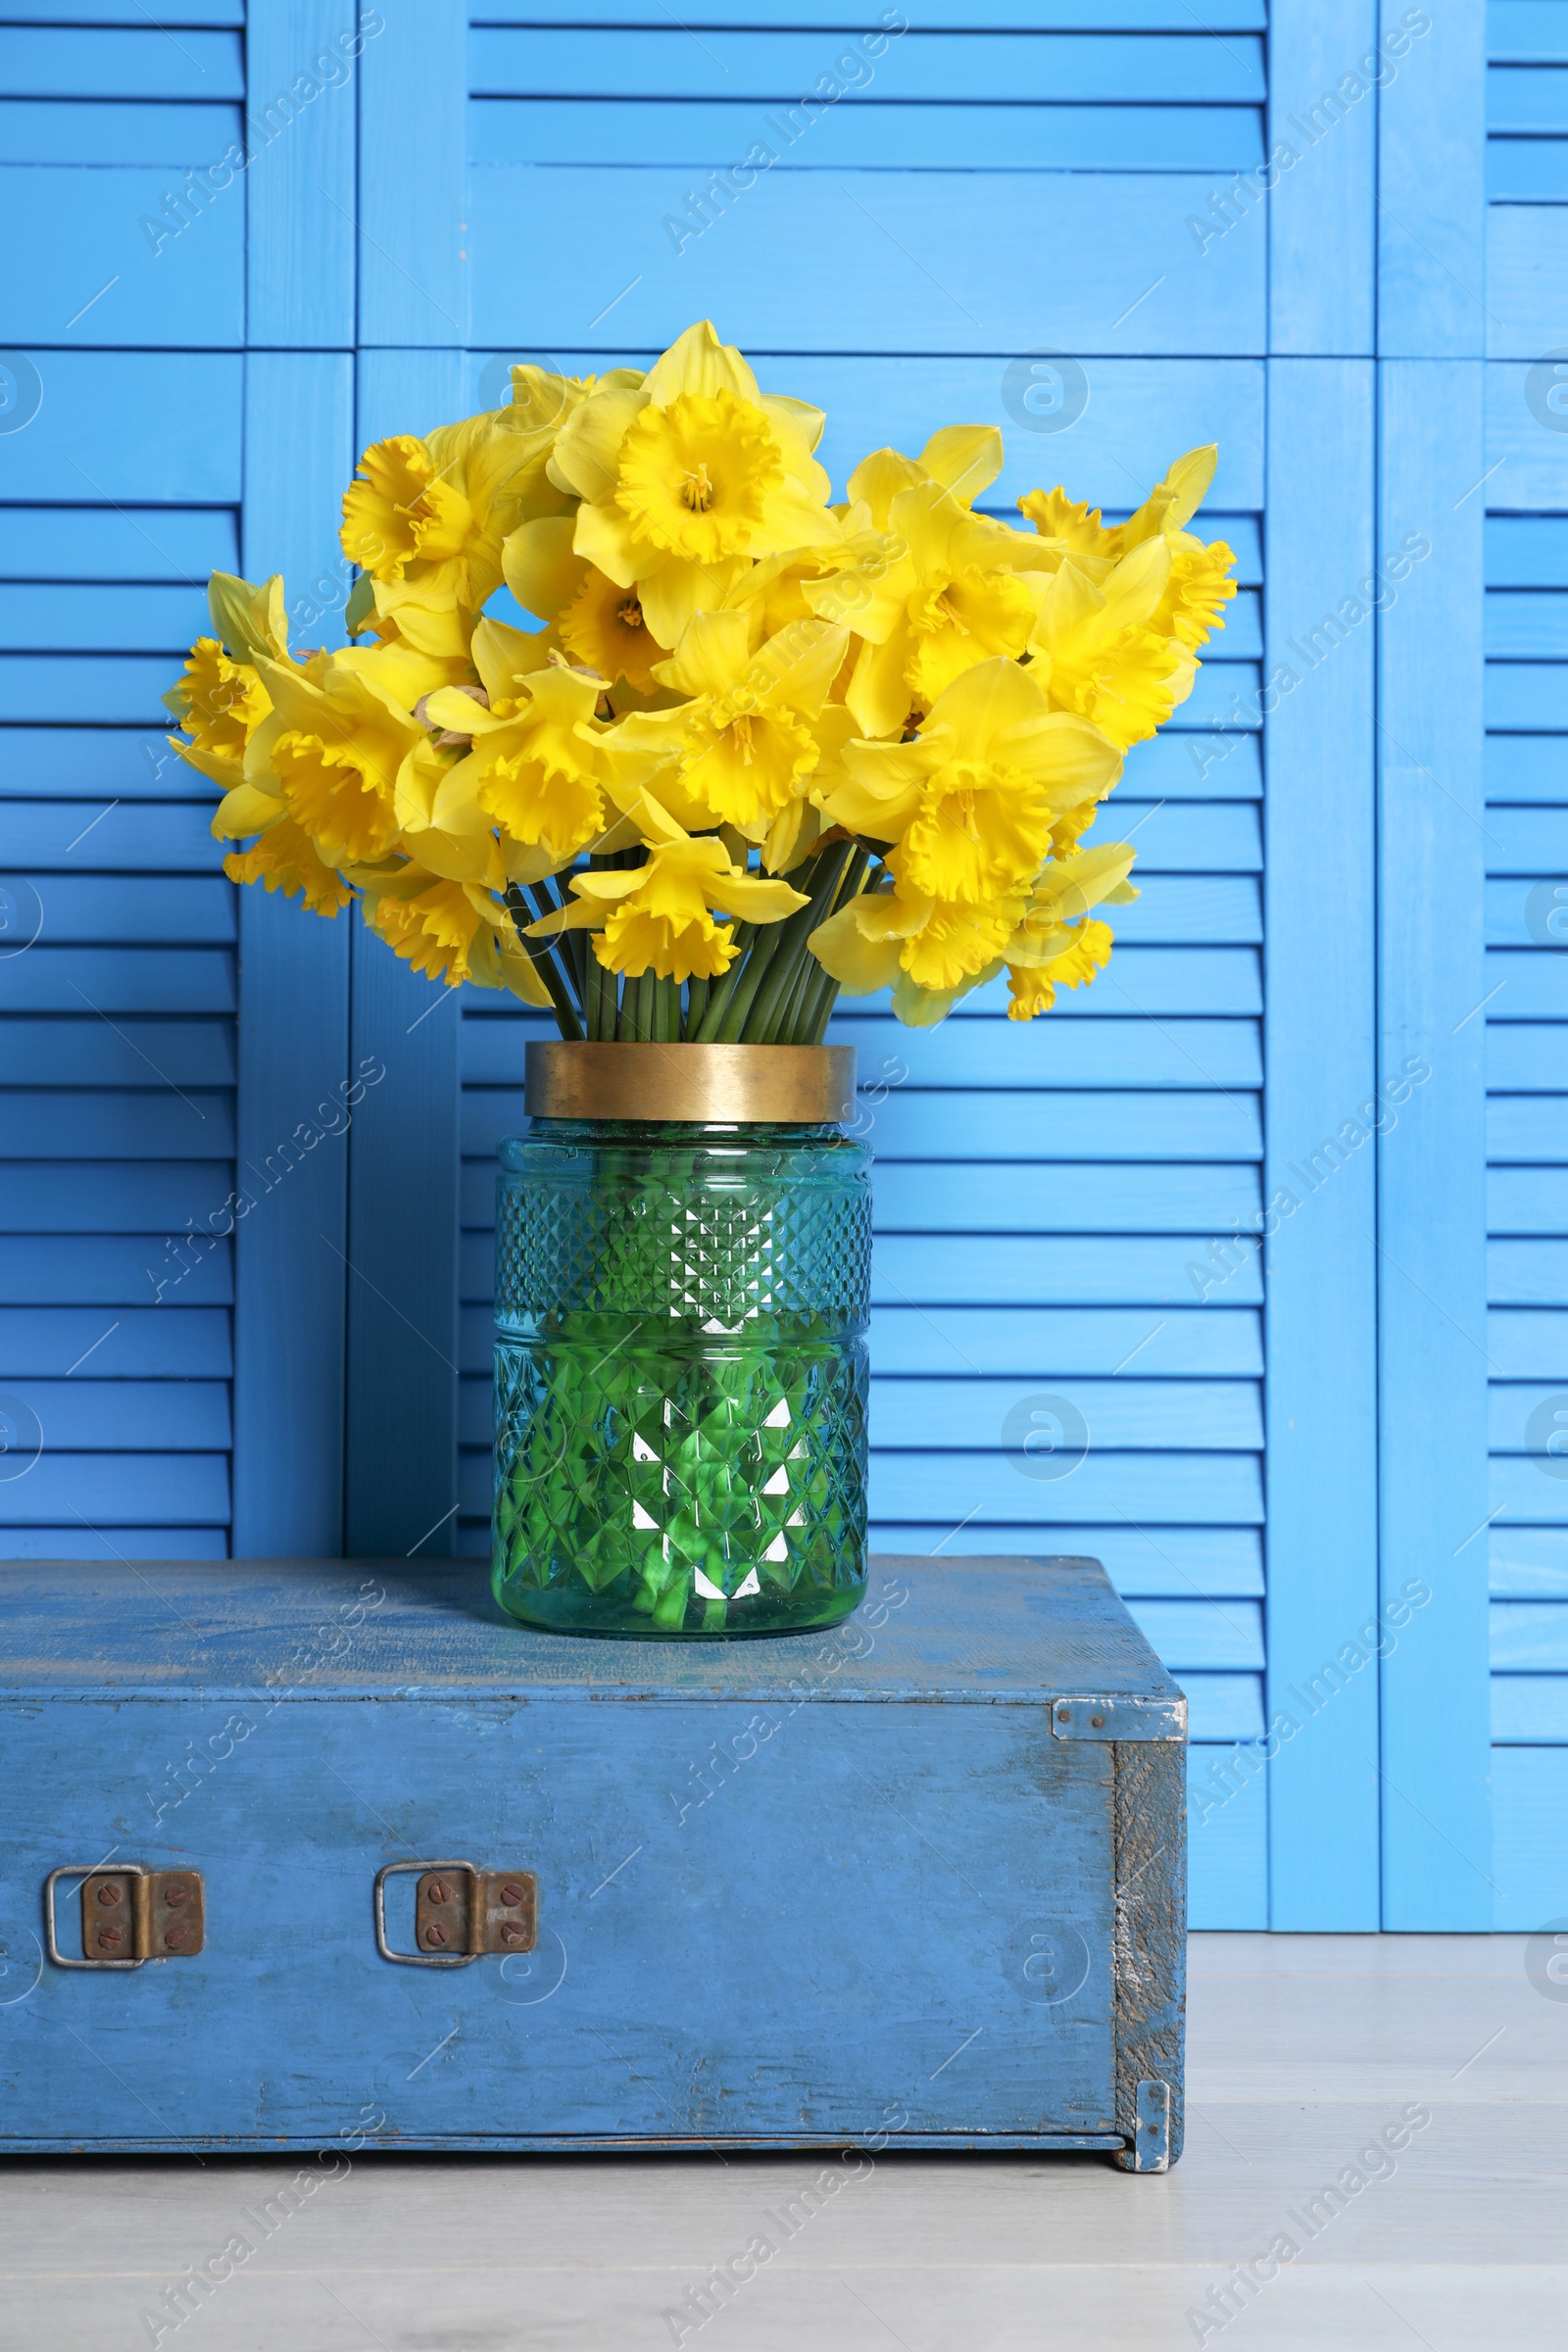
<point x="681" y="1377"/>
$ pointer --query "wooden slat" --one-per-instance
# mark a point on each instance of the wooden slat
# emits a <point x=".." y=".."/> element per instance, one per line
<point x="106" y="689"/>
<point x="132" y="428"/>
<point x="1433" y="1342"/>
<point x="1072" y="1270"/>
<point x="1526" y="625"/>
<point x="1530" y="1710"/>
<point x="181" y="136"/>
<point x="114" y="619"/>
<point x="1531" y="462"/>
<point x="114" y="1271"/>
<point x="1528" y="1562"/>
<point x="1526" y="280"/>
<point x="64" y="836"/>
<point x="1530" y="1272"/>
<point x="289" y="1345"/>
<point x="1528" y="99"/>
<point x="99" y="1053"/>
<point x="1527" y="1200"/>
<point x="1526" y="28"/>
<point x="712" y="136"/>
<point x="953" y="67"/>
<point x="97" y="764"/>
<point x="132" y="1416"/>
<point x="115" y="980"/>
<point x="188" y="1488"/>
<point x="1525" y="767"/>
<point x="1322" y="1286"/>
<point x="146" y="1343"/>
<point x="112" y="1123"/>
<point x="1527" y="1057"/>
<point x="1126" y="276"/>
<point x="1527" y="551"/>
<point x="1524" y="1127"/>
<point x="1526" y="694"/>
<point x="1526" y="1344"/>
<point x="940" y="15"/>
<point x="1145" y="1414"/>
<point x="109" y="1196"/>
<point x="152" y="544"/>
<point x="107" y="261"/>
<point x="119" y="62"/>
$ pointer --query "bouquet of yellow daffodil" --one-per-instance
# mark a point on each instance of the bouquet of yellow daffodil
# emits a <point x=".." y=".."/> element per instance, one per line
<point x="762" y="746"/>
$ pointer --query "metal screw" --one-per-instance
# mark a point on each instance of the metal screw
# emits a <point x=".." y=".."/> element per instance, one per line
<point x="514" y="1934"/>
<point x="176" y="1894"/>
<point x="1064" y="1711"/>
<point x="438" y="1892"/>
<point x="513" y="1894"/>
<point x="109" y="1892"/>
<point x="435" y="1932"/>
<point x="1097" y="1723"/>
<point x="177" y="1938"/>
<point x="111" y="1939"/>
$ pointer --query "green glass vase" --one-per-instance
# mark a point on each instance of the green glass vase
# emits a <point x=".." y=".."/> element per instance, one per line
<point x="681" y="1377"/>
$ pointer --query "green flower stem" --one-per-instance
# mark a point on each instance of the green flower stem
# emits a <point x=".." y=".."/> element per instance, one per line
<point x="544" y="963"/>
<point x="721" y="990"/>
<point x="767" y="1023"/>
<point x="753" y="973"/>
<point x="696" y="1004"/>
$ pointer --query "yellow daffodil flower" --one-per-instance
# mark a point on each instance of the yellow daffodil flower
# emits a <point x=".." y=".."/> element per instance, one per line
<point x="284" y="857"/>
<point x="535" y="768"/>
<point x="656" y="918"/>
<point x="688" y="477"/>
<point x="1032" y="988"/>
<point x="974" y="799"/>
<point x="750" y="728"/>
<point x="953" y="590"/>
<point x="451" y="931"/>
<point x="434" y="508"/>
<point x="1096" y="652"/>
<point x="332" y="751"/>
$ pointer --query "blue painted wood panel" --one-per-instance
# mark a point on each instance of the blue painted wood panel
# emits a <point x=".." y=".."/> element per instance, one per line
<point x="1433" y="1346"/>
<point x="1321" y="1203"/>
<point x="1126" y="276"/>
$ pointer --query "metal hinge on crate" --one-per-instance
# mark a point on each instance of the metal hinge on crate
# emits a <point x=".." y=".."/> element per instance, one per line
<point x="130" y="1914"/>
<point x="462" y="1912"/>
<point x="1149" y="2149"/>
<point x="1120" y="1718"/>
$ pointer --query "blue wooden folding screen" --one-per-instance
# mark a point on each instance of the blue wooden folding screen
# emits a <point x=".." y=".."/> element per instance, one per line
<point x="1190" y="1275"/>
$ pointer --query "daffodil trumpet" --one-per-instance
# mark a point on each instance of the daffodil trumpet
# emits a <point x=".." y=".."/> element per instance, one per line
<point x="753" y="745"/>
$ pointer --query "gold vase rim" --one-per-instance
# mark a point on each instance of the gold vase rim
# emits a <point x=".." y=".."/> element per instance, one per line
<point x="780" y="1085"/>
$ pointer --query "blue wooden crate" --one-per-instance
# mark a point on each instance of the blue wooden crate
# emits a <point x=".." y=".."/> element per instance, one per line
<point x="919" y="1880"/>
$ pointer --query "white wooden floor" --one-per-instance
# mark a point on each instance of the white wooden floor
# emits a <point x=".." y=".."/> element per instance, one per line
<point x="1301" y="2049"/>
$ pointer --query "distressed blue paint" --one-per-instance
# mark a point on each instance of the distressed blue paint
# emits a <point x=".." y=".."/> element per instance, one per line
<point x="429" y="1731"/>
